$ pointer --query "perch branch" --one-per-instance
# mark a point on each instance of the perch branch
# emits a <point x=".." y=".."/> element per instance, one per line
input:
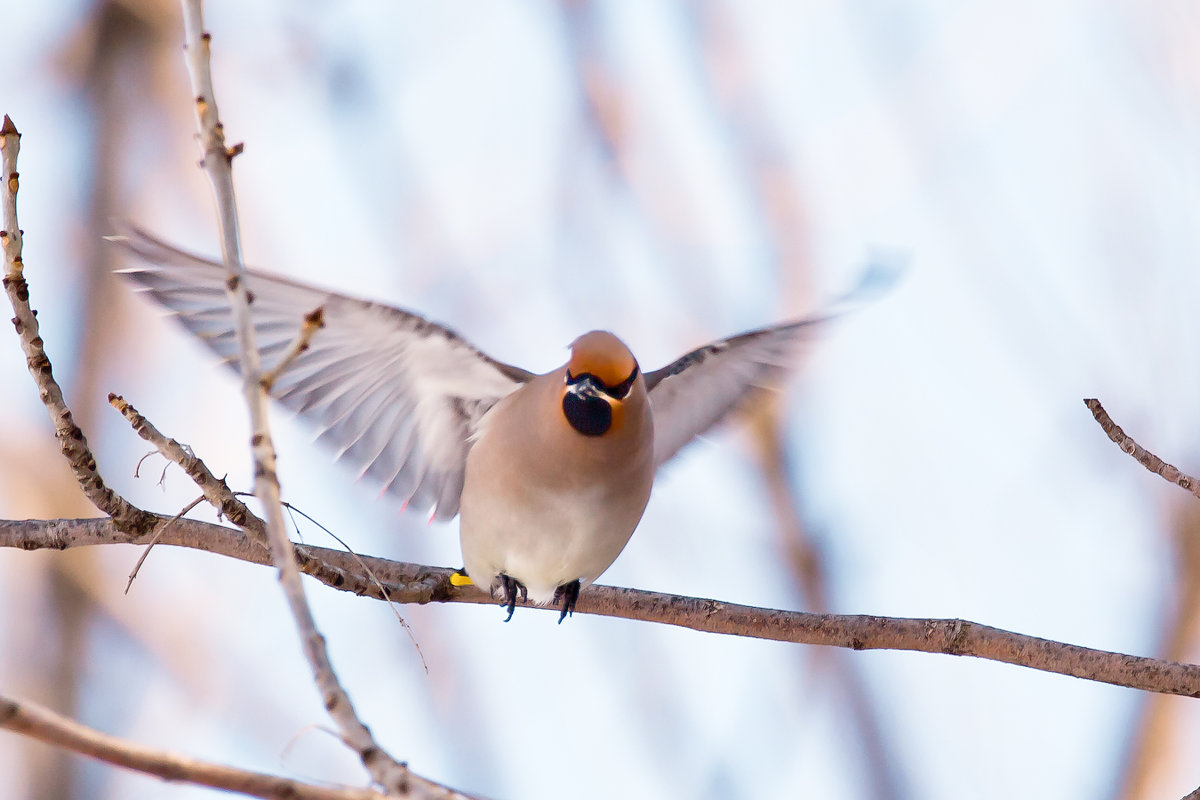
<point x="413" y="583"/>
<point x="46" y="726"/>
<point x="1143" y="456"/>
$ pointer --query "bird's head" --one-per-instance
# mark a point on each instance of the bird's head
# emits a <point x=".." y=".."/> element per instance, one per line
<point x="601" y="377"/>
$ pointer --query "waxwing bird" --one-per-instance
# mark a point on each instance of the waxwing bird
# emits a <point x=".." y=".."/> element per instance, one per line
<point x="551" y="473"/>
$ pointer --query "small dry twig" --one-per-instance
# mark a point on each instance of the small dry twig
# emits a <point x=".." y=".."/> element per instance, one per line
<point x="313" y="321"/>
<point x="155" y="539"/>
<point x="1143" y="456"/>
<point x="216" y="491"/>
<point x="412" y="635"/>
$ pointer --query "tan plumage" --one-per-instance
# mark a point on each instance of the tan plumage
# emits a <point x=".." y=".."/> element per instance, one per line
<point x="551" y="472"/>
<point x="545" y="504"/>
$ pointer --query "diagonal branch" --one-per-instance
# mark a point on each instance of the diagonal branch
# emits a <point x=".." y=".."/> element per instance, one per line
<point x="218" y="164"/>
<point x="313" y="322"/>
<point x="215" y="490"/>
<point x="70" y="438"/>
<point x="415" y="583"/>
<point x="1142" y="455"/>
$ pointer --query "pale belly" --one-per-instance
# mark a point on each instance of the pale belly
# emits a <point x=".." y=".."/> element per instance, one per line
<point x="545" y="538"/>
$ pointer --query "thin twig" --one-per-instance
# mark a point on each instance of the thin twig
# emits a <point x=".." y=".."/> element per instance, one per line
<point x="385" y="770"/>
<point x="221" y="497"/>
<point x="415" y="583"/>
<point x="215" y="490"/>
<point x="42" y="724"/>
<point x="313" y="321"/>
<point x="155" y="539"/>
<point x="1143" y="456"/>
<point x="71" y="440"/>
<point x="412" y="636"/>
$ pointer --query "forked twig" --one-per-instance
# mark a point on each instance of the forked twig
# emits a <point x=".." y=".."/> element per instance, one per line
<point x="215" y="490"/>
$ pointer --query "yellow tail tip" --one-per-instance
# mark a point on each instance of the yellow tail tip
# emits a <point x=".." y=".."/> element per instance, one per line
<point x="460" y="578"/>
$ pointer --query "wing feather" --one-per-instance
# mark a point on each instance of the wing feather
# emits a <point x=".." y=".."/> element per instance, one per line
<point x="391" y="392"/>
<point x="692" y="393"/>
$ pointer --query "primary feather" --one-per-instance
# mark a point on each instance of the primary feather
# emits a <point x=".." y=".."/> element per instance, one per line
<point x="403" y="398"/>
<point x="693" y="393"/>
<point x="393" y="393"/>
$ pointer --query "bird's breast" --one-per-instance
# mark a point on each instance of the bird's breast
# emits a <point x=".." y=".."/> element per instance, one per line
<point x="546" y="504"/>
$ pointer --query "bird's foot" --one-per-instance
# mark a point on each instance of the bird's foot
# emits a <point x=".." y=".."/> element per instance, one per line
<point x="568" y="593"/>
<point x="460" y="578"/>
<point x="512" y="588"/>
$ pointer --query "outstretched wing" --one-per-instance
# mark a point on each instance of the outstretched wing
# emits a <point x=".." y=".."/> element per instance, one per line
<point x="691" y="394"/>
<point x="393" y="393"/>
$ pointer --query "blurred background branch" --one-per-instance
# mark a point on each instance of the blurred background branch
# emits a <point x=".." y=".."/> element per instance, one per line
<point x="62" y="733"/>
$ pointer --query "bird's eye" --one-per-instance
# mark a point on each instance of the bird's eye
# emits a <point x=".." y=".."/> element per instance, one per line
<point x="618" y="392"/>
<point x="622" y="389"/>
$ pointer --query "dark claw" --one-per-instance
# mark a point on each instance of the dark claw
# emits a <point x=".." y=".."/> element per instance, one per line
<point x="512" y="588"/>
<point x="569" y="594"/>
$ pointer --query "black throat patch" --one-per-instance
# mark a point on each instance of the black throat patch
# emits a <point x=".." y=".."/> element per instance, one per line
<point x="591" y="416"/>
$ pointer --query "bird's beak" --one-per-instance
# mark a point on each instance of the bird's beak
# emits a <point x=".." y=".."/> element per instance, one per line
<point x="585" y="386"/>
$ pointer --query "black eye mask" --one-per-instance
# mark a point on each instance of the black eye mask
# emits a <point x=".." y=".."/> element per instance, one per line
<point x="618" y="392"/>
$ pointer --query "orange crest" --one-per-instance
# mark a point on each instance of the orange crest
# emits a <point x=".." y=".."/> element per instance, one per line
<point x="603" y="355"/>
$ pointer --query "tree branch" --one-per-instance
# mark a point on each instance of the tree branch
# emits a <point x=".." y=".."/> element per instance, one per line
<point x="415" y="583"/>
<point x="1141" y="454"/>
<point x="214" y="489"/>
<point x="42" y="724"/>
<point x="218" y="164"/>
<point x="129" y="523"/>
<point x="71" y="440"/>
